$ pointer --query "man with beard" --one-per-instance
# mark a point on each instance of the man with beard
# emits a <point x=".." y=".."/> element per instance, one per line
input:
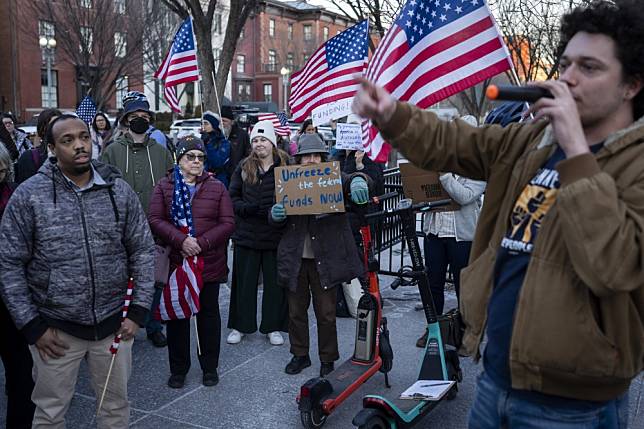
<point x="238" y="137"/>
<point x="65" y="260"/>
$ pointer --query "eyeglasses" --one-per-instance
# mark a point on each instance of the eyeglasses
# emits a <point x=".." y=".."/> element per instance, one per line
<point x="192" y="157"/>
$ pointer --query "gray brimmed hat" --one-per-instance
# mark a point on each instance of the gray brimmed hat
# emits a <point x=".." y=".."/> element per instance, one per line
<point x="310" y="143"/>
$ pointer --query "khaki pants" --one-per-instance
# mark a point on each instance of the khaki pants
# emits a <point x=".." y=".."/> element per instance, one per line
<point x="55" y="381"/>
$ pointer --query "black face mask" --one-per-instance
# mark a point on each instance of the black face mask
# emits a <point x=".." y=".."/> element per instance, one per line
<point x="139" y="125"/>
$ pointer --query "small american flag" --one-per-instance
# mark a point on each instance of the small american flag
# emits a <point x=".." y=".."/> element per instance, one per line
<point x="327" y="75"/>
<point x="180" y="298"/>
<point x="180" y="64"/>
<point x="434" y="49"/>
<point x="86" y="109"/>
<point x="280" y="122"/>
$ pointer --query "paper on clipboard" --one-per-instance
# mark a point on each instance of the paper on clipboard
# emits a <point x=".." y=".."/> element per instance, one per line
<point x="427" y="390"/>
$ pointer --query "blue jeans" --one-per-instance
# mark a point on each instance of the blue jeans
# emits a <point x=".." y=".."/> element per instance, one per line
<point x="495" y="407"/>
<point x="152" y="325"/>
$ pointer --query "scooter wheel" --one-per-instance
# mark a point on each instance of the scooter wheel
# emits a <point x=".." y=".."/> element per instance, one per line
<point x="375" y="422"/>
<point x="313" y="419"/>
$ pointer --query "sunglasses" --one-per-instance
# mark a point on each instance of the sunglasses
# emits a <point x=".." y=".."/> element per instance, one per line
<point x="192" y="157"/>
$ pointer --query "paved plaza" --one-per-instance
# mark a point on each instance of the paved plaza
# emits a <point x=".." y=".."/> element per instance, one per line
<point x="254" y="391"/>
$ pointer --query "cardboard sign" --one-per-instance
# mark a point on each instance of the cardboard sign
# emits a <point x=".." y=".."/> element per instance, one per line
<point x="422" y="186"/>
<point x="349" y="137"/>
<point x="326" y="113"/>
<point x="312" y="189"/>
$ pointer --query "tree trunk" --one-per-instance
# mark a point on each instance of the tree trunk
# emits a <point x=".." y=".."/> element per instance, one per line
<point x="203" y="32"/>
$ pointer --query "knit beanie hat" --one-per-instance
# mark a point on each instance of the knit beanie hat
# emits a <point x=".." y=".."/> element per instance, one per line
<point x="264" y="129"/>
<point x="227" y="112"/>
<point x="212" y="119"/>
<point x="188" y="143"/>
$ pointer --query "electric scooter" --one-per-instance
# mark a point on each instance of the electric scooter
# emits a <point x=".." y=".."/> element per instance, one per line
<point x="439" y="361"/>
<point x="319" y="396"/>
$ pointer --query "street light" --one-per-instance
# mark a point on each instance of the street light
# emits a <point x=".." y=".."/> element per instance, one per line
<point x="284" y="71"/>
<point x="47" y="44"/>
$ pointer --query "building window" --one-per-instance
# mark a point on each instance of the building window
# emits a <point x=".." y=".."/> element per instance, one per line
<point x="308" y="32"/>
<point x="290" y="32"/>
<point x="46" y="28"/>
<point x="272" y="60"/>
<point x="271" y="27"/>
<point x="87" y="4"/>
<point x="290" y="63"/>
<point x="243" y="91"/>
<point x="120" y="44"/>
<point x="216" y="54"/>
<point x="119" y="7"/>
<point x="86" y="40"/>
<point x="241" y="64"/>
<point x="49" y="96"/>
<point x="121" y="90"/>
<point x="268" y="92"/>
<point x="218" y="28"/>
<point x="325" y="33"/>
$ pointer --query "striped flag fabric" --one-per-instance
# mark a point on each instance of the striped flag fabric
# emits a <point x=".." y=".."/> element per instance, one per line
<point x="280" y="122"/>
<point x="327" y="75"/>
<point x="86" y="110"/>
<point x="180" y="64"/>
<point x="170" y="96"/>
<point x="434" y="49"/>
<point x="180" y="297"/>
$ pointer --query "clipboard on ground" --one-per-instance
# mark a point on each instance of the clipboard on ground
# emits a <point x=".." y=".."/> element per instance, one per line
<point x="428" y="390"/>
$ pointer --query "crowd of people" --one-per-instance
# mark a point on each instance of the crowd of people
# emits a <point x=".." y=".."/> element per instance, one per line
<point x="549" y="268"/>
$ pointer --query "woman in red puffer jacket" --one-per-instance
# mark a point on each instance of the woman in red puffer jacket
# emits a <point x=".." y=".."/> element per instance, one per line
<point x="213" y="222"/>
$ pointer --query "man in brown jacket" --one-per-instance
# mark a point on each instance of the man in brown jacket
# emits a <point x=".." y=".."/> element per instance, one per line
<point x="555" y="275"/>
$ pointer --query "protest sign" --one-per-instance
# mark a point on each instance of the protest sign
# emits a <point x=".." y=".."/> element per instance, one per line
<point x="327" y="112"/>
<point x="348" y="136"/>
<point x="422" y="186"/>
<point x="311" y="189"/>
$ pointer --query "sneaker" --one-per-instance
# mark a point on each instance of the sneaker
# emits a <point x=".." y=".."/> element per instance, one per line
<point x="297" y="364"/>
<point x="210" y="379"/>
<point x="326" y="368"/>
<point x="176" y="381"/>
<point x="158" y="339"/>
<point x="422" y="341"/>
<point x="275" y="338"/>
<point x="234" y="337"/>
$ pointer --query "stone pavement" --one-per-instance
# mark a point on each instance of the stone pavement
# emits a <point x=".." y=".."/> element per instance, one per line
<point x="254" y="391"/>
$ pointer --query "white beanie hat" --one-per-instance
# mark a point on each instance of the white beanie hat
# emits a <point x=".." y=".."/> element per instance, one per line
<point x="264" y="129"/>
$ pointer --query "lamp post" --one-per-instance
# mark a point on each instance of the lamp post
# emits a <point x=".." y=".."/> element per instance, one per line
<point x="285" y="72"/>
<point x="47" y="44"/>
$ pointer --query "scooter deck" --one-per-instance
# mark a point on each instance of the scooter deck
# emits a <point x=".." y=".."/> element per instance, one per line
<point x="346" y="378"/>
<point x="406" y="410"/>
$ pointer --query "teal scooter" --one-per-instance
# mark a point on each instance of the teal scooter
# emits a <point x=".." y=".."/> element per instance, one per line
<point x="440" y="359"/>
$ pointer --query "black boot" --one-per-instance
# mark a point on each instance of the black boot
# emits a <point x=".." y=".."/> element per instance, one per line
<point x="297" y="364"/>
<point x="210" y="378"/>
<point x="158" y="339"/>
<point x="326" y="368"/>
<point x="176" y="381"/>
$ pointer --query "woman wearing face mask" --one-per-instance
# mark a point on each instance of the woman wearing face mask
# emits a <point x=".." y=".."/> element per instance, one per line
<point x="217" y="148"/>
<point x="212" y="224"/>
<point x="101" y="132"/>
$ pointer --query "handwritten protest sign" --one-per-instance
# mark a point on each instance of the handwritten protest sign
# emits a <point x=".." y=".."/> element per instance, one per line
<point x="422" y="186"/>
<point x="348" y="136"/>
<point x="312" y="189"/>
<point x="327" y="112"/>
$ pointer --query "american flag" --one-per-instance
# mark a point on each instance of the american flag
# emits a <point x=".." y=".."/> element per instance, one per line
<point x="180" y="64"/>
<point x="434" y="49"/>
<point x="280" y="122"/>
<point x="86" y="109"/>
<point x="114" y="348"/>
<point x="180" y="298"/>
<point x="327" y="75"/>
<point x="170" y="95"/>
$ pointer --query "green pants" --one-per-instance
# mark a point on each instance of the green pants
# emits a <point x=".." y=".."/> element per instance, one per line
<point x="242" y="315"/>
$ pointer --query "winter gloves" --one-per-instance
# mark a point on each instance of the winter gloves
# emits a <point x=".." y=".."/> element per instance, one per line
<point x="278" y="212"/>
<point x="359" y="191"/>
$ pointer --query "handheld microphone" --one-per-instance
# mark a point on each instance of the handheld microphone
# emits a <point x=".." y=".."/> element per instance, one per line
<point x="529" y="94"/>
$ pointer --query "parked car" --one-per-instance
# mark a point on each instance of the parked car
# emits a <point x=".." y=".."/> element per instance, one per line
<point x="184" y="127"/>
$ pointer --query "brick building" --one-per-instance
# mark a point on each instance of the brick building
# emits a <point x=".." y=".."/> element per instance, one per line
<point x="23" y="69"/>
<point x="281" y="35"/>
